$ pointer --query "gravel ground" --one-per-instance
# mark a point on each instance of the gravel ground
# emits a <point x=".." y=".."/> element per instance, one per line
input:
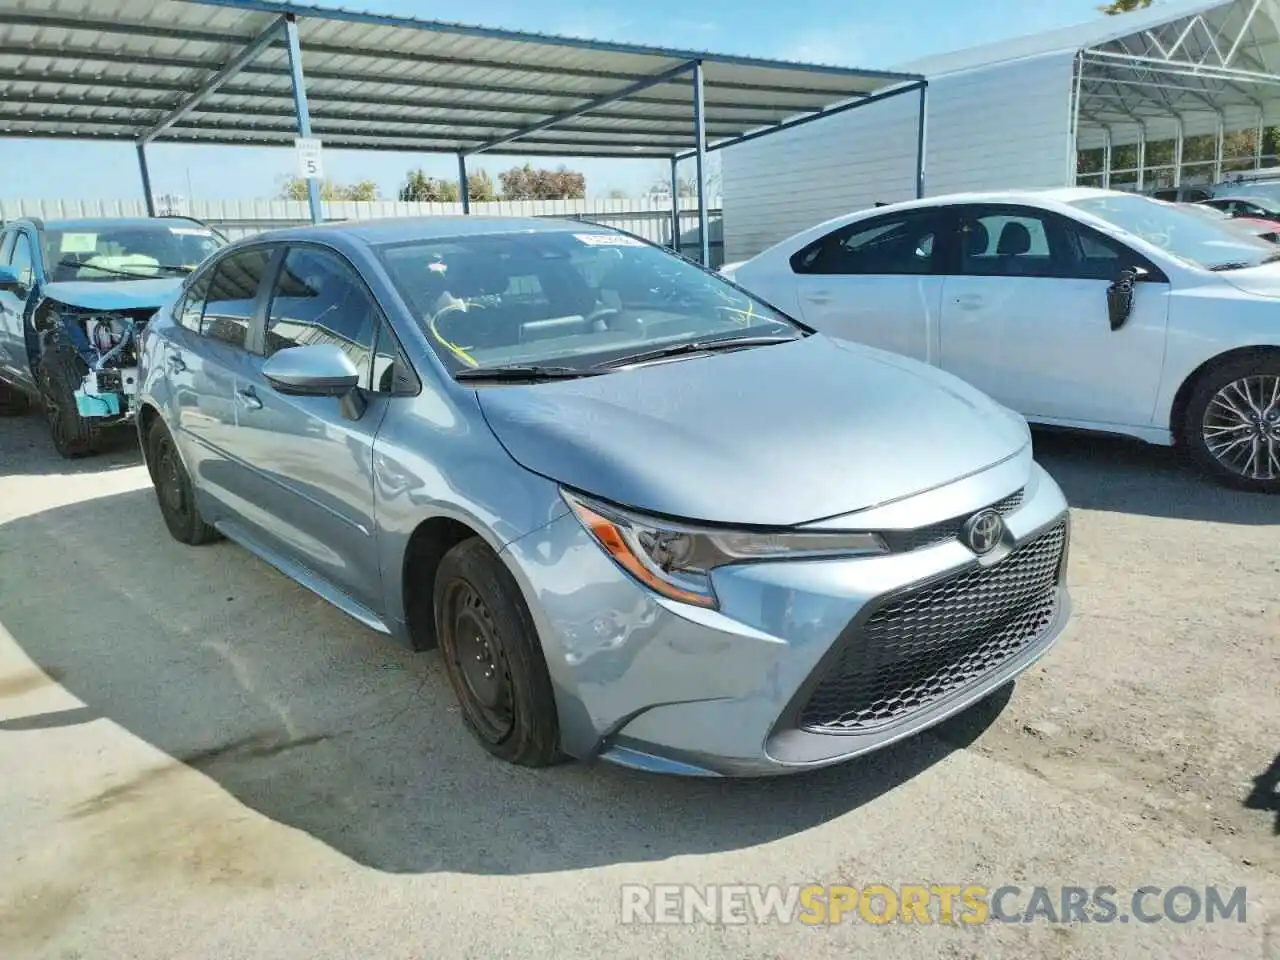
<point x="200" y="759"/>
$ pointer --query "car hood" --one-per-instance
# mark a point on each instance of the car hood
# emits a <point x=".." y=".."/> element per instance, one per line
<point x="771" y="436"/>
<point x="148" y="294"/>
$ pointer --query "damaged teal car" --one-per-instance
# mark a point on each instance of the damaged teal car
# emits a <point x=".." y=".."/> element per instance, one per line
<point x="75" y="296"/>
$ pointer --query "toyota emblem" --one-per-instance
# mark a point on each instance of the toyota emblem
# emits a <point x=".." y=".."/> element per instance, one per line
<point x="983" y="531"/>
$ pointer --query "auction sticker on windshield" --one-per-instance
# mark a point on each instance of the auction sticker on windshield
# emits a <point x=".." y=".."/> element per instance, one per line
<point x="191" y="231"/>
<point x="79" y="243"/>
<point x="608" y="240"/>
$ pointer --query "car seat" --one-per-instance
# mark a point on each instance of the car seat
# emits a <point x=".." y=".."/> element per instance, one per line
<point x="1012" y="247"/>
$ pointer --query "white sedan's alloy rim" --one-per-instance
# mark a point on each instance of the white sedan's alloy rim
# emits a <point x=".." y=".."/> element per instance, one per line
<point x="1241" y="427"/>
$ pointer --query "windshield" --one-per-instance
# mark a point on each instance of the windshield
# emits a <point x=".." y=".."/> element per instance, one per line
<point x="1192" y="237"/>
<point x="567" y="299"/>
<point x="103" y="252"/>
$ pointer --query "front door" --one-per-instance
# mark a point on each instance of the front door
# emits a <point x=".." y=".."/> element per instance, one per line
<point x="310" y="466"/>
<point x="1024" y="318"/>
<point x="876" y="282"/>
<point x="15" y="366"/>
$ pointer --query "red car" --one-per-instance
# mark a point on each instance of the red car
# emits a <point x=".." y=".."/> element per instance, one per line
<point x="1249" y="209"/>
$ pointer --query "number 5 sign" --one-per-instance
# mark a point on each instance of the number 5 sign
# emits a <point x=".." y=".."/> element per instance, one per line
<point x="309" y="165"/>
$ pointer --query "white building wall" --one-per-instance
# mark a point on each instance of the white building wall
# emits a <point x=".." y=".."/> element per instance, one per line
<point x="996" y="127"/>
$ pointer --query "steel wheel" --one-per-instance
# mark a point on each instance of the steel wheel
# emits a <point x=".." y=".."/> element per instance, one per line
<point x="171" y="485"/>
<point x="1241" y="427"/>
<point x="475" y="649"/>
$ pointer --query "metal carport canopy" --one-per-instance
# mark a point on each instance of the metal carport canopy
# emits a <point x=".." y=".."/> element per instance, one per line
<point x="258" y="72"/>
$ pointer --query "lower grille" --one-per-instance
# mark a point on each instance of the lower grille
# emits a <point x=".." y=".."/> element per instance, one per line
<point x="921" y="647"/>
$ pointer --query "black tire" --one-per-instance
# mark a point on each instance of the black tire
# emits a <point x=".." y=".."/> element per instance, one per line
<point x="480" y="614"/>
<point x="58" y="375"/>
<point x="13" y="402"/>
<point x="1208" y="413"/>
<point x="174" y="493"/>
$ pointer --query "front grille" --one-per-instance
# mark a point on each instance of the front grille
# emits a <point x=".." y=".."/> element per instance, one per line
<point x="921" y="647"/>
<point x="902" y="541"/>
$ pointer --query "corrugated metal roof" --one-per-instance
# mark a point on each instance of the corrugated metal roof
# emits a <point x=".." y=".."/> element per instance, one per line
<point x="113" y="69"/>
<point x="1073" y="39"/>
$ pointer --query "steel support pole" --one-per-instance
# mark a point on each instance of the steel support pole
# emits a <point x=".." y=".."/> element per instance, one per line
<point x="464" y="192"/>
<point x="1142" y="157"/>
<point x="1257" y="142"/>
<point x="1218" y="149"/>
<point x="1106" y="158"/>
<point x="700" y="134"/>
<point x="1178" y="145"/>
<point x="675" y="207"/>
<point x="301" y="110"/>
<point x="145" y="173"/>
<point x="1073" y="117"/>
<point x="922" y="125"/>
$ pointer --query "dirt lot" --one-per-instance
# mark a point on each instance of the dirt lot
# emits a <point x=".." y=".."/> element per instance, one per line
<point x="200" y="759"/>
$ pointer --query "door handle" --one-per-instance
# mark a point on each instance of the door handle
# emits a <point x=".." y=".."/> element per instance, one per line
<point x="819" y="296"/>
<point x="176" y="363"/>
<point x="248" y="397"/>
<point x="969" y="301"/>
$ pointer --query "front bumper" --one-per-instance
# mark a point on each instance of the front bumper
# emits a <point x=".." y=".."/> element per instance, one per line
<point x="806" y="663"/>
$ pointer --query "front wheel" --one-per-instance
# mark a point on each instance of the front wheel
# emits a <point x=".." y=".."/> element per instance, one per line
<point x="59" y="374"/>
<point x="1232" y="428"/>
<point x="493" y="659"/>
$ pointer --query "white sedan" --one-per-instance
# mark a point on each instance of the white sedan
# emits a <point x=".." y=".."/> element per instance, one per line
<point x="1081" y="308"/>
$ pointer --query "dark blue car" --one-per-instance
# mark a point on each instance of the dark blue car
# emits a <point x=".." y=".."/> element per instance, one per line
<point x="74" y="294"/>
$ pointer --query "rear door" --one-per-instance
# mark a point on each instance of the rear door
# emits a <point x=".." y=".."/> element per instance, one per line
<point x="1024" y="318"/>
<point x="207" y="350"/>
<point x="877" y="281"/>
<point x="309" y="465"/>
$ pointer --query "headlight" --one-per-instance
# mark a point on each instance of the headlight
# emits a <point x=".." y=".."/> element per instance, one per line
<point x="676" y="560"/>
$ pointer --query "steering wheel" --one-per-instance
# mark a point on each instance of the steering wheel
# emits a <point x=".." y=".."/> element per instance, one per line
<point x="600" y="313"/>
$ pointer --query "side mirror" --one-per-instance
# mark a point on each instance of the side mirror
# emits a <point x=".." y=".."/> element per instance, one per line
<point x="9" y="279"/>
<point x="317" y="370"/>
<point x="1120" y="296"/>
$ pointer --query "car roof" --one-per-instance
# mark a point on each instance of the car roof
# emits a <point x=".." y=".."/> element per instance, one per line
<point x="403" y="229"/>
<point x="92" y="223"/>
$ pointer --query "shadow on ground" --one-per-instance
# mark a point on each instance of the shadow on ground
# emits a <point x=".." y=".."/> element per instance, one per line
<point x="25" y="449"/>
<point x="1119" y="475"/>
<point x="1266" y="792"/>
<point x="319" y="724"/>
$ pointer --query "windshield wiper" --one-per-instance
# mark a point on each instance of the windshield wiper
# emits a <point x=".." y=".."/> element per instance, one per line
<point x="693" y="346"/>
<point x="522" y="372"/>
<point x="116" y="272"/>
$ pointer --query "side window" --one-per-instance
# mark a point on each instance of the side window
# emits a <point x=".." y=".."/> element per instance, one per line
<point x="390" y="370"/>
<point x="895" y="245"/>
<point x="318" y="298"/>
<point x="230" y="296"/>
<point x="1095" y="255"/>
<point x="191" y="307"/>
<point x="1007" y="244"/>
<point x="21" y="261"/>
<point x="6" y="246"/>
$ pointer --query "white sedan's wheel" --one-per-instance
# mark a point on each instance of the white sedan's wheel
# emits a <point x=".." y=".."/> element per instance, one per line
<point x="1233" y="423"/>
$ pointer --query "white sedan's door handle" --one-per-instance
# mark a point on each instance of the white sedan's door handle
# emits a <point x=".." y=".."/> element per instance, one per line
<point x="969" y="301"/>
<point x="819" y="296"/>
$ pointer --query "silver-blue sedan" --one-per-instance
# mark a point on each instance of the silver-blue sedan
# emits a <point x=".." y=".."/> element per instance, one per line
<point x="643" y="515"/>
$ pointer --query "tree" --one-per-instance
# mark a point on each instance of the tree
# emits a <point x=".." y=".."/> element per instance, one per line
<point x="420" y="188"/>
<point x="526" y="183"/>
<point x="295" y="188"/>
<point x="480" y="188"/>
<point x="1124" y="6"/>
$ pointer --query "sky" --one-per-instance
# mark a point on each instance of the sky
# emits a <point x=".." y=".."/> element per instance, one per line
<point x="873" y="34"/>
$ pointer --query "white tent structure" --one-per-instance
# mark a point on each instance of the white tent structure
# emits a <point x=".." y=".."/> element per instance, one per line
<point x="1176" y="94"/>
